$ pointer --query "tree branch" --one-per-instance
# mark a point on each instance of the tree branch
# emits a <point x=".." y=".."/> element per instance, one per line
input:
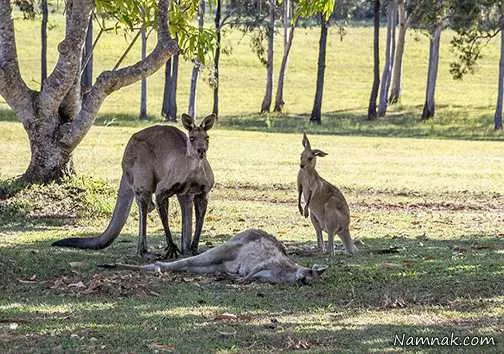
<point x="67" y="68"/>
<point x="110" y="81"/>
<point x="12" y="87"/>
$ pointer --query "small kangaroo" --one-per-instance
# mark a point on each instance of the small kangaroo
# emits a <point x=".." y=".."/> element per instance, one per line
<point x="327" y="206"/>
<point x="250" y="255"/>
<point x="163" y="161"/>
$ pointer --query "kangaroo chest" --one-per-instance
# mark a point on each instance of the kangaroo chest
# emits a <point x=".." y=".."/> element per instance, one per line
<point x="193" y="181"/>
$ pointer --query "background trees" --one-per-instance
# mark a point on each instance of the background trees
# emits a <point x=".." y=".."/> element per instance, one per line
<point x="57" y="115"/>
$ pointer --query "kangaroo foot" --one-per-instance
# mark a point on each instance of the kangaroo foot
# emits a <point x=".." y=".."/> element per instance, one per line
<point x="172" y="251"/>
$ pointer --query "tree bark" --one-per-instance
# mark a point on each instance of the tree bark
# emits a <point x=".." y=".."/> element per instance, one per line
<point x="500" y="93"/>
<point x="317" y="103"/>
<point x="218" y="39"/>
<point x="389" y="58"/>
<point x="197" y="66"/>
<point x="376" y="60"/>
<point x="87" y="60"/>
<point x="53" y="136"/>
<point x="43" y="37"/>
<point x="395" y="92"/>
<point x="169" y="109"/>
<point x="165" y="108"/>
<point x="289" y="33"/>
<point x="143" y="89"/>
<point x="430" y="92"/>
<point x="268" y="95"/>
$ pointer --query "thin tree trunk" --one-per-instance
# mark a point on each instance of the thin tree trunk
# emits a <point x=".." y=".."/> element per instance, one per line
<point x="317" y="103"/>
<point x="218" y="13"/>
<point x="191" y="110"/>
<point x="395" y="93"/>
<point x="165" y="108"/>
<point x="389" y="58"/>
<point x="268" y="95"/>
<point x="43" y="36"/>
<point x="87" y="59"/>
<point x="143" y="90"/>
<point x="173" y="91"/>
<point x="279" y="101"/>
<point x="286" y="22"/>
<point x="289" y="32"/>
<point x="500" y="94"/>
<point x="430" y="92"/>
<point x="376" y="65"/>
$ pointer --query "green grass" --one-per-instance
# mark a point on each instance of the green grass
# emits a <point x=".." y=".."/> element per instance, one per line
<point x="439" y="201"/>
<point x="465" y="108"/>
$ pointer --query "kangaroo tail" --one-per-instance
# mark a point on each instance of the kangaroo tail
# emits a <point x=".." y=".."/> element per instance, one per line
<point x="121" y="211"/>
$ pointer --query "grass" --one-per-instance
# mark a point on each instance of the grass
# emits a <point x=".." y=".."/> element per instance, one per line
<point x="465" y="108"/>
<point x="439" y="201"/>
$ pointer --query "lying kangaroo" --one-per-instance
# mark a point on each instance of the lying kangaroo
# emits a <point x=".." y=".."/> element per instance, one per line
<point x="250" y="255"/>
<point x="163" y="161"/>
<point x="327" y="206"/>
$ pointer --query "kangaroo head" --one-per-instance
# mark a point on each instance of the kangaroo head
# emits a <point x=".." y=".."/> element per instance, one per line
<point x="308" y="156"/>
<point x="305" y="276"/>
<point x="197" y="144"/>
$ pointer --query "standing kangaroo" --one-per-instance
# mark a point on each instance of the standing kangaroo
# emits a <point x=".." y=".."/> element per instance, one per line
<point x="250" y="255"/>
<point x="163" y="161"/>
<point x="327" y="206"/>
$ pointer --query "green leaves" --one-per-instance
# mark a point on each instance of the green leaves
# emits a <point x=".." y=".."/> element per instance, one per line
<point x="133" y="14"/>
<point x="308" y="8"/>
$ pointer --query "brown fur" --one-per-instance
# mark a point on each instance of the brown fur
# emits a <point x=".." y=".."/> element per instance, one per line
<point x="250" y="255"/>
<point x="161" y="161"/>
<point x="324" y="203"/>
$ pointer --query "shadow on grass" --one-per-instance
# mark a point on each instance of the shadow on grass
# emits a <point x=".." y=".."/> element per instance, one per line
<point x="451" y="121"/>
<point x="362" y="302"/>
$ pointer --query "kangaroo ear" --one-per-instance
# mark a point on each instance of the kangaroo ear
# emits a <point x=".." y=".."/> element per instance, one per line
<point x="319" y="269"/>
<point x="208" y="122"/>
<point x="306" y="142"/>
<point x="320" y="153"/>
<point x="187" y="122"/>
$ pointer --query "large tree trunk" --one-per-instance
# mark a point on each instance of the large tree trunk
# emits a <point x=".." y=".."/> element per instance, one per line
<point x="216" y="83"/>
<point x="268" y="95"/>
<point x="288" y="38"/>
<point x="50" y="160"/>
<point x="389" y="58"/>
<point x="87" y="60"/>
<point x="395" y="92"/>
<point x="430" y="92"/>
<point x="56" y="118"/>
<point x="317" y="103"/>
<point x="43" y="37"/>
<point x="197" y="66"/>
<point x="376" y="60"/>
<point x="143" y="89"/>
<point x="500" y="93"/>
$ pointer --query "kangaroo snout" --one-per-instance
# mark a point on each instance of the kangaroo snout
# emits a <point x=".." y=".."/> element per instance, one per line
<point x="201" y="153"/>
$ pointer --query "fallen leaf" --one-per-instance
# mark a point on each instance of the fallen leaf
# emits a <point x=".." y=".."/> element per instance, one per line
<point x="162" y="347"/>
<point x="77" y="285"/>
<point x="408" y="262"/>
<point x="225" y="316"/>
<point x="389" y="265"/>
<point x="78" y="264"/>
<point x="227" y="334"/>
